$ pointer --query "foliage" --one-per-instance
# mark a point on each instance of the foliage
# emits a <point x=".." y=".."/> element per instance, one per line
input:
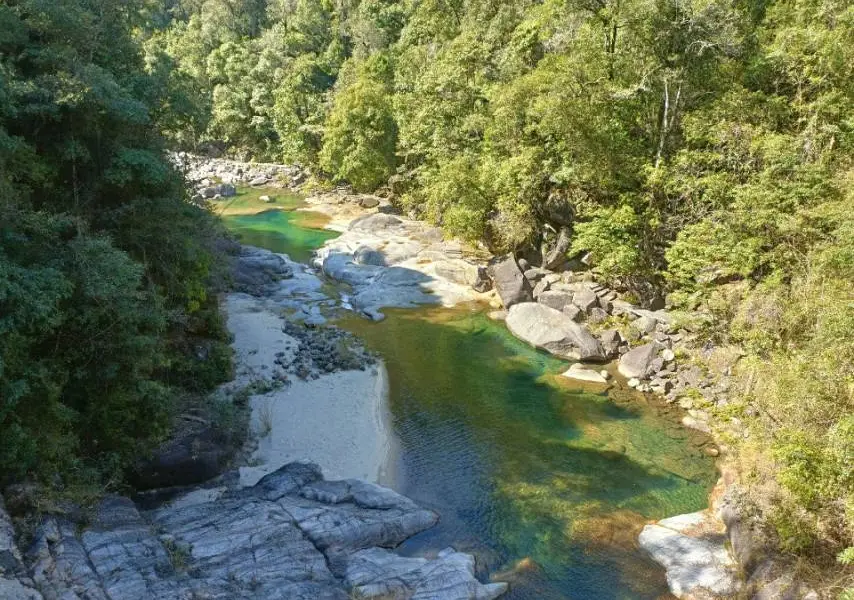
<point x="105" y="269"/>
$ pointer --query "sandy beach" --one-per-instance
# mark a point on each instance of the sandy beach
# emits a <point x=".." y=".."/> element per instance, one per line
<point x="339" y="421"/>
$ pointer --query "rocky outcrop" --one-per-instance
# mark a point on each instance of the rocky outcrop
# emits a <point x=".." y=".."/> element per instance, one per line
<point x="292" y="536"/>
<point x="257" y="271"/>
<point x="692" y="549"/>
<point x="391" y="261"/>
<point x="510" y="282"/>
<point x="213" y="178"/>
<point x="553" y="331"/>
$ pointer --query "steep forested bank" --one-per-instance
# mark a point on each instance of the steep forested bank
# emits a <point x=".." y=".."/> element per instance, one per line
<point x="699" y="150"/>
<point x="108" y="318"/>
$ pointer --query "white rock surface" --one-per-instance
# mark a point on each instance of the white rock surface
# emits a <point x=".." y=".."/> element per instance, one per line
<point x="581" y="373"/>
<point x="692" y="549"/>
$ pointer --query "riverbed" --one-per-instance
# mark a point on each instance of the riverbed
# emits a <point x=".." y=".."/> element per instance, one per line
<point x="547" y="483"/>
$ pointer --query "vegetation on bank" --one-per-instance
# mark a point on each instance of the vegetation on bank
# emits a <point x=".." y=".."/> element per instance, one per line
<point x="108" y="312"/>
<point x="700" y="149"/>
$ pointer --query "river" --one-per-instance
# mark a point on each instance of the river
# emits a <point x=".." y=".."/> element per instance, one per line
<point x="548" y="484"/>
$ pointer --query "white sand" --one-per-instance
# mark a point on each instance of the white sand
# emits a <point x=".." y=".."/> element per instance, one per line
<point x="339" y="421"/>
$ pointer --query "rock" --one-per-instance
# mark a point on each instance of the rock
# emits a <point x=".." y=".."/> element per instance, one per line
<point x="256" y="270"/>
<point x="379" y="573"/>
<point x="259" y="181"/>
<point x="611" y="341"/>
<point x="365" y="255"/>
<point x="549" y="329"/>
<point x="198" y="452"/>
<point x="265" y="199"/>
<point x="208" y="192"/>
<point x="581" y="373"/>
<point x="644" y="325"/>
<point x="667" y="355"/>
<point x="555" y="299"/>
<point x="535" y="274"/>
<point x="369" y="201"/>
<point x="542" y="286"/>
<point x="482" y="283"/>
<point x="226" y="190"/>
<point x="634" y="382"/>
<point x="458" y="271"/>
<point x="597" y="315"/>
<point x="635" y="363"/>
<point x="510" y="283"/>
<point x="292" y="536"/>
<point x="498" y="315"/>
<point x="585" y="299"/>
<point x="696" y="560"/>
<point x="573" y="312"/>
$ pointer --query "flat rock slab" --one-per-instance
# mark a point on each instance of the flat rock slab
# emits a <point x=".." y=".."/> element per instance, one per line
<point x="694" y="554"/>
<point x="292" y="536"/>
<point x="553" y="331"/>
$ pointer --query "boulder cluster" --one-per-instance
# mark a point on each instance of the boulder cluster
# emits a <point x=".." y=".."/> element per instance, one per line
<point x="574" y="317"/>
<point x="215" y="178"/>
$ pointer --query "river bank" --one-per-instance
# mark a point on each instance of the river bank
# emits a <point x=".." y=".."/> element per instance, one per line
<point x="389" y="261"/>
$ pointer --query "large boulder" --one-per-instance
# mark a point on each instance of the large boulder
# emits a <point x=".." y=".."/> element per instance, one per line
<point x="636" y="362"/>
<point x="553" y="331"/>
<point x="510" y="282"/>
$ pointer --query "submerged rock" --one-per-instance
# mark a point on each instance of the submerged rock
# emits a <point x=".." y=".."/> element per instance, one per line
<point x="581" y="373"/>
<point x="292" y="536"/>
<point x="554" y="331"/>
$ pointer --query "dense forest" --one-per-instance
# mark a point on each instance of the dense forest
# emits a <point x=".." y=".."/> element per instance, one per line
<point x="700" y="151"/>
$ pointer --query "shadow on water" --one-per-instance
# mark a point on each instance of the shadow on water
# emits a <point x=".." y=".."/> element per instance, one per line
<point x="546" y="483"/>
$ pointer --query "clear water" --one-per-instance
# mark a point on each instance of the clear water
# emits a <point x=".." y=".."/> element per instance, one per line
<point x="283" y="229"/>
<point x="546" y="483"/>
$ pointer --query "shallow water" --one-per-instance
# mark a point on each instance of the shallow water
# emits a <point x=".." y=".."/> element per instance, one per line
<point x="547" y="483"/>
<point x="542" y="480"/>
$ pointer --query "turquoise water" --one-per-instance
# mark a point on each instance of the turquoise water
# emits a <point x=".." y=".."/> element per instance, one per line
<point x="285" y="231"/>
<point x="546" y="483"/>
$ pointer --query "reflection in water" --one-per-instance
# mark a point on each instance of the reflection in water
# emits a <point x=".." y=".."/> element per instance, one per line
<point x="547" y="484"/>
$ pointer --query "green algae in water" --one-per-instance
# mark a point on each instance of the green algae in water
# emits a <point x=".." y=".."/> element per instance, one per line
<point x="525" y="469"/>
<point x="281" y="229"/>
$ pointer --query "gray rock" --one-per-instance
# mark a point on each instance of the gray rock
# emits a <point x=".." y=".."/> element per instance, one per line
<point x="293" y="536"/>
<point x="554" y="331"/>
<point x="226" y="190"/>
<point x="573" y="312"/>
<point x="458" y="271"/>
<point x="635" y="363"/>
<point x="510" y="283"/>
<point x="377" y="573"/>
<point x="256" y="271"/>
<point x="597" y="315"/>
<point x="365" y="255"/>
<point x="555" y="299"/>
<point x="369" y="202"/>
<point x="259" y="181"/>
<point x="585" y="299"/>
<point x="483" y="282"/>
<point x="644" y="325"/>
<point x="543" y="285"/>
